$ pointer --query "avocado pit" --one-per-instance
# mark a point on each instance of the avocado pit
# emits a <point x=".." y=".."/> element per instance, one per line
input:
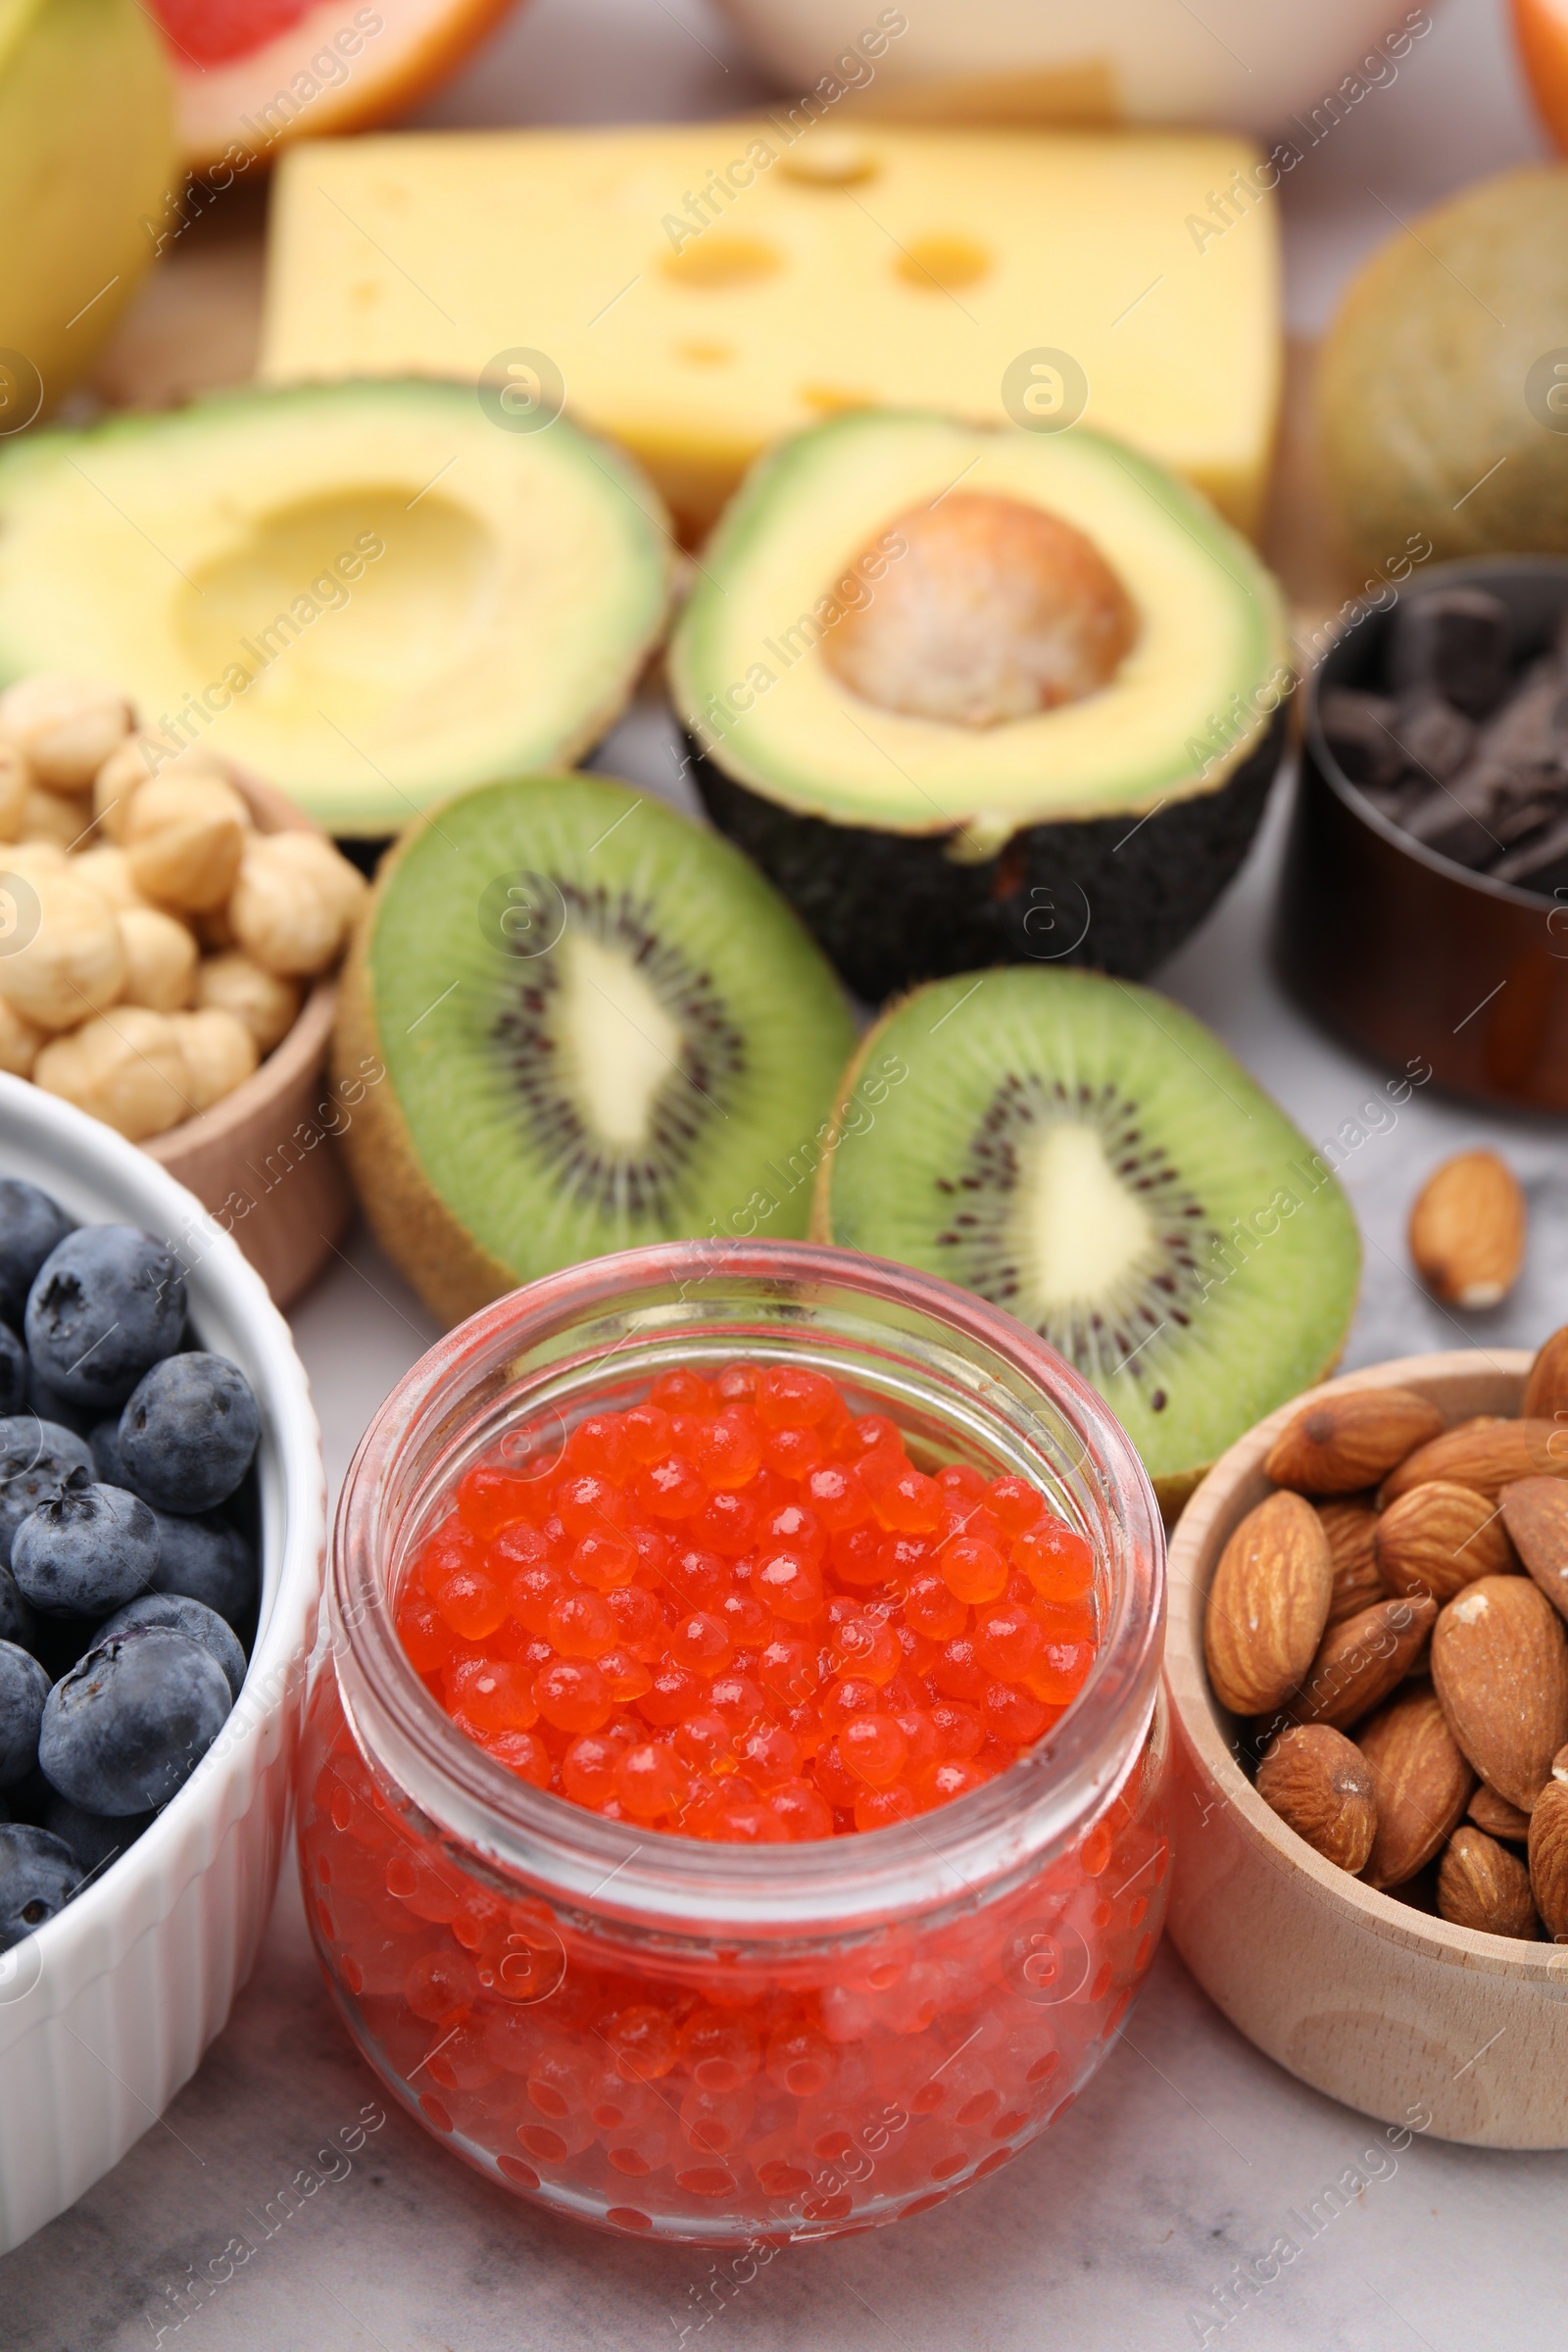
<point x="997" y="609"/>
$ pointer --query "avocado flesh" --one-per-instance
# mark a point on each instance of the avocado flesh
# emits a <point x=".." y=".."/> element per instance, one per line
<point x="1090" y="1157"/>
<point x="1187" y="704"/>
<point x="597" y="1028"/>
<point x="86" y="156"/>
<point x="368" y="593"/>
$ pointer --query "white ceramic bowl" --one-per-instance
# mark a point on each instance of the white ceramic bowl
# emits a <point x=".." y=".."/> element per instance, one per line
<point x="105" y="2013"/>
<point x="1237" y="65"/>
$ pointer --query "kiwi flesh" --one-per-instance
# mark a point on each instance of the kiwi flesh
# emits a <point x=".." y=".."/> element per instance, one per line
<point x="1088" y="1156"/>
<point x="597" y="1027"/>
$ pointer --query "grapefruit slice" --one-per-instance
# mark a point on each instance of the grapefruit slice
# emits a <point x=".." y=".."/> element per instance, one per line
<point x="1541" y="30"/>
<point x="252" y="73"/>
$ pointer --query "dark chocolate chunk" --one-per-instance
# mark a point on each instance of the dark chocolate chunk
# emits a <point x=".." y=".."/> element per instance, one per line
<point x="1433" y="735"/>
<point x="1358" y="729"/>
<point x="1453" y="641"/>
<point x="1455" y="819"/>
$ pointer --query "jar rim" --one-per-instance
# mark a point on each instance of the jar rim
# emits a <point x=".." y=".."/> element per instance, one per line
<point x="655" y="1879"/>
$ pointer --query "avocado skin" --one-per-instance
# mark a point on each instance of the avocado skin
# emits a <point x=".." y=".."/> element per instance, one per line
<point x="891" y="909"/>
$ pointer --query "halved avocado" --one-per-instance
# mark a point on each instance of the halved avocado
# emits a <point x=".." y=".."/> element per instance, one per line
<point x="1097" y="830"/>
<point x="370" y="593"/>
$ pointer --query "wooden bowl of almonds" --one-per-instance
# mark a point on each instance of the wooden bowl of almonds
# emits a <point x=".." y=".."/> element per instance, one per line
<point x="169" y="928"/>
<point x="1367" y="1664"/>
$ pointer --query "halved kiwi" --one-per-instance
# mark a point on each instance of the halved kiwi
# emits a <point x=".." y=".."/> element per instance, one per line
<point x="1086" y="1154"/>
<point x="572" y="1022"/>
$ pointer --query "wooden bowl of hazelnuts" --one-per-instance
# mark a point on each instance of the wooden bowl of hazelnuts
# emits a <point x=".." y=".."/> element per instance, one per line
<point x="170" y="932"/>
<point x="1367" y="1665"/>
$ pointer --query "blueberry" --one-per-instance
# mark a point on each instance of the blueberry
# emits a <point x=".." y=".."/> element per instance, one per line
<point x="106" y="1304"/>
<point x="17" y="1621"/>
<point x="36" y="1457"/>
<point x="94" y="1839"/>
<point x="39" y="1875"/>
<point x="14" y="1369"/>
<point x="128" y="1725"/>
<point x="30" y="1226"/>
<point x="86" y="1550"/>
<point x="104" y="1440"/>
<point x="193" y="1617"/>
<point x="188" y="1433"/>
<point x="24" y="1688"/>
<point x="206" y="1560"/>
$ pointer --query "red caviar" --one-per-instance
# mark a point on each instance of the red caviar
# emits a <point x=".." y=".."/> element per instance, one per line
<point x="737" y="1611"/>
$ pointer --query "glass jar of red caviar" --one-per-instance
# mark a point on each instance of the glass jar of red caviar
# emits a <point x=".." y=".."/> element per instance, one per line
<point x="711" y="2041"/>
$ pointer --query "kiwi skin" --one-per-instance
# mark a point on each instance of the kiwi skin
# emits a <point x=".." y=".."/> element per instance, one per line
<point x="416" y="1228"/>
<point x="1174" y="1491"/>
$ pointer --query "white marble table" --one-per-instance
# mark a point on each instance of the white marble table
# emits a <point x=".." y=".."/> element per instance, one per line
<point x="1190" y="2151"/>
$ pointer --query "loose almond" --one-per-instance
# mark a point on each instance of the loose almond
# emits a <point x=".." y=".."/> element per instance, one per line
<point x="1499" y="1664"/>
<point x="1351" y="1441"/>
<point x="1546" y="1388"/>
<point x="1549" y="1859"/>
<point x="1438" y="1537"/>
<point x="1421" y="1782"/>
<point x="1467" y="1230"/>
<point x="1494" y="1813"/>
<point x="1319" y="1785"/>
<point x="1486" y="1455"/>
<point x="1268" y="1605"/>
<point x="1535" y="1511"/>
<point x="1481" y="1885"/>
<point x="1349" y="1523"/>
<point x="1361" y="1660"/>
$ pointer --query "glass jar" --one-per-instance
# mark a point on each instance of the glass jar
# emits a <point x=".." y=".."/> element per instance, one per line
<point x="731" y="2043"/>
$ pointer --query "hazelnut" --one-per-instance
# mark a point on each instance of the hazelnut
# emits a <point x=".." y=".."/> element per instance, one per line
<point x="19" y="1040"/>
<point x="16" y="783"/>
<point x="107" y="870"/>
<point x="184" y="836"/>
<point x="291" y="909"/>
<point x="266" y="1004"/>
<point x="70" y="962"/>
<point x="137" y="761"/>
<point x="219" y="1052"/>
<point x="67" y="726"/>
<point x="126" y="1069"/>
<point x="61" y="818"/>
<point x="160" y="959"/>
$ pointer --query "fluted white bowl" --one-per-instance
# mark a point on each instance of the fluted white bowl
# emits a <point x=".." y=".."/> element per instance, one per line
<point x="1233" y="65"/>
<point x="107" y="2010"/>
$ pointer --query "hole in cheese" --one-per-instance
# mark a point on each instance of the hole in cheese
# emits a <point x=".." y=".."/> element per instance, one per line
<point x="833" y="161"/>
<point x="710" y="261"/>
<point x="704" y="354"/>
<point x="940" y="264"/>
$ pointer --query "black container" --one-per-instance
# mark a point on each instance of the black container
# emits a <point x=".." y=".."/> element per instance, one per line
<point x="1405" y="953"/>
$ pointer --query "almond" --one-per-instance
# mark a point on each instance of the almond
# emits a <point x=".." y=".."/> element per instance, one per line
<point x="1351" y="1439"/>
<point x="1549" y="1859"/>
<point x="1500" y="1663"/>
<point x="1360" y="1661"/>
<point x="1421" y="1782"/>
<point x="1535" y="1511"/>
<point x="1487" y="1453"/>
<point x="1267" y="1606"/>
<point x="1546" y="1388"/>
<point x="1481" y="1885"/>
<point x="1349" y="1523"/>
<point x="1494" y="1813"/>
<point x="1319" y="1785"/>
<point x="1467" y="1230"/>
<point x="1438" y="1537"/>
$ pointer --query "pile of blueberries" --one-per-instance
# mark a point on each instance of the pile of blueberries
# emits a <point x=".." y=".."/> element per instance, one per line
<point x="127" y="1576"/>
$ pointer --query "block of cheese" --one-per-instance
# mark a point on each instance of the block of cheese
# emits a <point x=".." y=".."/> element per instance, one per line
<point x="698" y="290"/>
